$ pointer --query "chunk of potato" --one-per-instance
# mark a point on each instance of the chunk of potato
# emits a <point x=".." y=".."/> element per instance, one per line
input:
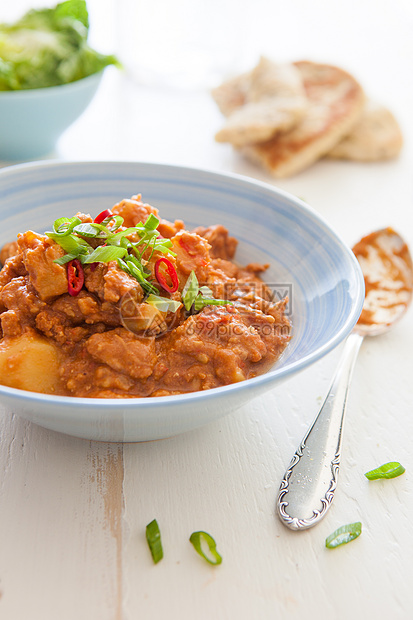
<point x="29" y="362"/>
<point x="141" y="317"/>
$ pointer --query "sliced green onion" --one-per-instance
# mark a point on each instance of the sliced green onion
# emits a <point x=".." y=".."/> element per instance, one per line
<point x="388" y="470"/>
<point x="152" y="222"/>
<point x="163" y="304"/>
<point x="72" y="234"/>
<point x="205" y="290"/>
<point x="200" y="302"/>
<point x="123" y="266"/>
<point x="124" y="243"/>
<point x="66" y="259"/>
<point x="144" y="234"/>
<point x="136" y="273"/>
<point x="132" y="266"/>
<point x="190" y="290"/>
<point x="132" y="259"/>
<point x="166" y="242"/>
<point x="104" y="254"/>
<point x="70" y="243"/>
<point x="64" y="225"/>
<point x="202" y="539"/>
<point x="145" y="241"/>
<point x="343" y="535"/>
<point x="153" y="536"/>
<point x="92" y="230"/>
<point x="115" y="220"/>
<point x="164" y="248"/>
<point x="122" y="233"/>
<point x="149" y="244"/>
<point x="192" y="295"/>
<point x="59" y="224"/>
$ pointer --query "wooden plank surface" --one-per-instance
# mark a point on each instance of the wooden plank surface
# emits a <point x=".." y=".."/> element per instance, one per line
<point x="73" y="512"/>
<point x="60" y="525"/>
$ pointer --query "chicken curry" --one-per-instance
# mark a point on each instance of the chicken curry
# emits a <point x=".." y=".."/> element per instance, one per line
<point x="128" y="305"/>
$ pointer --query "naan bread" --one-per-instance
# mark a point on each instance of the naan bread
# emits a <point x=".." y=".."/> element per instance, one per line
<point x="232" y="94"/>
<point x="257" y="122"/>
<point x="269" y="99"/>
<point x="376" y="136"/>
<point x="335" y="101"/>
<point x="272" y="79"/>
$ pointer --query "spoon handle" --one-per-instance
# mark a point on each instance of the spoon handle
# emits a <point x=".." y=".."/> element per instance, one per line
<point x="308" y="487"/>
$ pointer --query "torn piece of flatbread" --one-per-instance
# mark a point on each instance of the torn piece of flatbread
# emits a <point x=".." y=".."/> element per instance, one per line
<point x="232" y="94"/>
<point x="274" y="100"/>
<point x="335" y="101"/>
<point x="257" y="122"/>
<point x="376" y="136"/>
<point x="272" y="79"/>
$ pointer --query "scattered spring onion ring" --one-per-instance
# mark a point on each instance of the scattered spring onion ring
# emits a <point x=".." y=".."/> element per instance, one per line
<point x="74" y="237"/>
<point x="343" y="535"/>
<point x="75" y="277"/>
<point x="102" y="216"/>
<point x="388" y="470"/>
<point x="135" y="269"/>
<point x="171" y="272"/>
<point x="196" y="297"/>
<point x="152" y="222"/>
<point x="153" y="536"/>
<point x="104" y="254"/>
<point x="200" y="302"/>
<point x="197" y="539"/>
<point x="163" y="304"/>
<point x="190" y="290"/>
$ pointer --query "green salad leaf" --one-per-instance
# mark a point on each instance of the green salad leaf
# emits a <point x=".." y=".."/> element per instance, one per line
<point x="48" y="47"/>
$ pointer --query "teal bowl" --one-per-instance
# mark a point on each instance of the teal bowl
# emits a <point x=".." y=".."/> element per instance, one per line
<point x="31" y="121"/>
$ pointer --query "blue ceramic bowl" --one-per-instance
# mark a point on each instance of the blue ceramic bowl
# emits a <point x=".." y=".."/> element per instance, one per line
<point x="308" y="261"/>
<point x="31" y="121"/>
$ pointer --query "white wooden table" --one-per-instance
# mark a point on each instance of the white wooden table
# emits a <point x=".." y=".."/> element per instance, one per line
<point x="73" y="513"/>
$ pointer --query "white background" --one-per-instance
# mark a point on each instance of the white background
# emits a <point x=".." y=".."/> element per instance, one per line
<point x="73" y="513"/>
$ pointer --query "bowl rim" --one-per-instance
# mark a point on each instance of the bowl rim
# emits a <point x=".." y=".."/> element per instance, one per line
<point x="40" y="92"/>
<point x="153" y="402"/>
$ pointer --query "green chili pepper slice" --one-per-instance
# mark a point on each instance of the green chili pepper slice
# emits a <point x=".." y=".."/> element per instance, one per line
<point x="153" y="536"/>
<point x="343" y="535"/>
<point x="388" y="470"/>
<point x="197" y="539"/>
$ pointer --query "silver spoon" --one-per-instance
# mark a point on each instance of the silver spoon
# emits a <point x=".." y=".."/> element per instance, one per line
<point x="308" y="487"/>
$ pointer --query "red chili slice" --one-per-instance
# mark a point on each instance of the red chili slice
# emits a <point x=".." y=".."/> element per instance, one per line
<point x="102" y="216"/>
<point x="75" y="277"/>
<point x="171" y="272"/>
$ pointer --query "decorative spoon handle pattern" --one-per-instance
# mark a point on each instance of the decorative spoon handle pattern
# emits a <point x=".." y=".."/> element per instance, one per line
<point x="308" y="487"/>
